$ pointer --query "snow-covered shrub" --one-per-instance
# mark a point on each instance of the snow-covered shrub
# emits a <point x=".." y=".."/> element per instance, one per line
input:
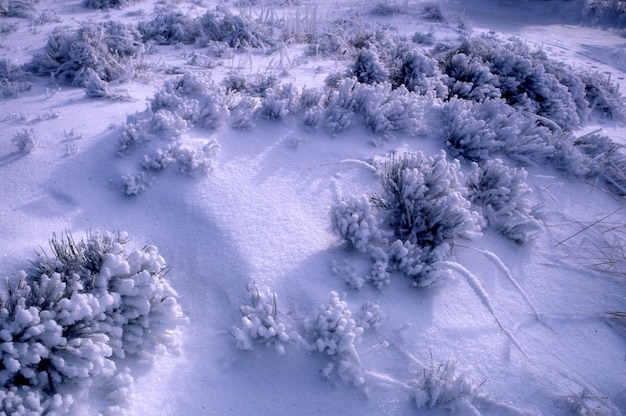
<point x="133" y="133"/>
<point x="66" y="322"/>
<point x="389" y="7"/>
<point x="25" y="140"/>
<point x="262" y="322"/>
<point x="279" y="102"/>
<point x="411" y="226"/>
<point x="440" y="387"/>
<point x="107" y="48"/>
<point x="24" y="400"/>
<point x="238" y="31"/>
<point x="433" y="13"/>
<point x="371" y="316"/>
<point x="499" y="192"/>
<point x="605" y="12"/>
<point x="355" y="221"/>
<point x="97" y="88"/>
<point x="485" y="66"/>
<point x="134" y="184"/>
<point x="425" y="200"/>
<point x="243" y="110"/>
<point x="260" y="84"/>
<point x="479" y="131"/>
<point x="13" y="79"/>
<point x="24" y="9"/>
<point x="380" y="107"/>
<point x="193" y="161"/>
<point x="140" y="312"/>
<point x="105" y="4"/>
<point x="593" y="156"/>
<point x="368" y="69"/>
<point x="235" y="82"/>
<point x="423" y="38"/>
<point x="169" y="28"/>
<point x="469" y="78"/>
<point x="419" y="73"/>
<point x="426" y="209"/>
<point x="334" y="332"/>
<point x="603" y="96"/>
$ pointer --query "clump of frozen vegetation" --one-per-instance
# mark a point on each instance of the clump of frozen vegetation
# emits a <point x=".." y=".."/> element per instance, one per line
<point x="484" y="67"/>
<point x="25" y="140"/>
<point x="479" y="131"/>
<point x="500" y="194"/>
<point x="238" y="31"/>
<point x="440" y="387"/>
<point x="190" y="101"/>
<point x="379" y="107"/>
<point x="333" y="330"/>
<point x="24" y="9"/>
<point x="109" y="49"/>
<point x="593" y="156"/>
<point x="262" y="322"/>
<point x="410" y="227"/>
<point x="106" y="4"/>
<point x="13" y="79"/>
<point x="68" y="321"/>
<point x="134" y="184"/>
<point x="98" y="88"/>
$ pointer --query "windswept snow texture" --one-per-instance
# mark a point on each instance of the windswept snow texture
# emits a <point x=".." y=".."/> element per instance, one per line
<point x="386" y="208"/>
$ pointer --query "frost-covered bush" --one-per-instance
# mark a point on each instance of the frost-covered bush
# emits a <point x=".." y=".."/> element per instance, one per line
<point x="334" y="332"/>
<point x="419" y="73"/>
<point x="593" y="156"/>
<point x="356" y="221"/>
<point x="411" y="226"/>
<point x="193" y="161"/>
<point x="486" y="67"/>
<point x="368" y="69"/>
<point x="603" y="96"/>
<point x="426" y="208"/>
<point x="107" y="48"/>
<point x="170" y="28"/>
<point x="389" y="7"/>
<point x="25" y="140"/>
<point x="262" y="322"/>
<point x="66" y="322"/>
<point x="191" y="100"/>
<point x="440" y="387"/>
<point x="13" y="79"/>
<point x="134" y="184"/>
<point x="500" y="194"/>
<point x="238" y="31"/>
<point x="605" y="12"/>
<point x="106" y="4"/>
<point x="380" y="107"/>
<point x="24" y="9"/>
<point x="97" y="88"/>
<point x="425" y="200"/>
<point x="479" y="131"/>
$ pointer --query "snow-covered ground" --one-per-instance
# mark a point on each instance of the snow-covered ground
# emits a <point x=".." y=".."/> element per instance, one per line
<point x="247" y="226"/>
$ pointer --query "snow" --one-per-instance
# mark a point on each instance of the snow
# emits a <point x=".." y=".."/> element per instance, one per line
<point x="519" y="329"/>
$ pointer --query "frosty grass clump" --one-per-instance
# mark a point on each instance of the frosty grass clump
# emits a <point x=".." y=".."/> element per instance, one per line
<point x="67" y="322"/>
<point x="409" y="228"/>
<point x="333" y="330"/>
<point x="500" y="194"/>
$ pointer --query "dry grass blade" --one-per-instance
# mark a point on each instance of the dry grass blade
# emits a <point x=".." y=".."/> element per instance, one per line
<point x="588" y="227"/>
